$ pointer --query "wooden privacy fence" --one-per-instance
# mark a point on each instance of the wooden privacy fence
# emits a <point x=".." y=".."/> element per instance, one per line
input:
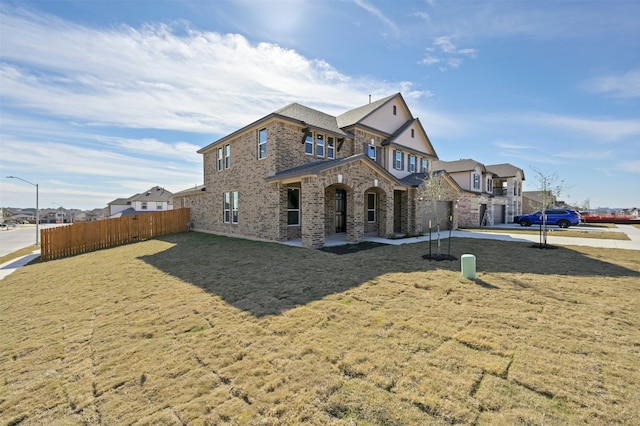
<point x="82" y="237"/>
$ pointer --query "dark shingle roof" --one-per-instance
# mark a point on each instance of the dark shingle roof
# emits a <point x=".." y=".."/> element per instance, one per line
<point x="198" y="189"/>
<point x="312" y="117"/>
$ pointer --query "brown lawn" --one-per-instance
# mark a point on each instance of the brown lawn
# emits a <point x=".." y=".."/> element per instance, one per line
<point x="199" y="329"/>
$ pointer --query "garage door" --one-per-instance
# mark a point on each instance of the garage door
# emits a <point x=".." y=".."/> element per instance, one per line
<point x="498" y="214"/>
<point x="444" y="210"/>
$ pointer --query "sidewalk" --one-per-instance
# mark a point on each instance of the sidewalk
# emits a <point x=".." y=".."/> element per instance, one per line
<point x="8" y="267"/>
<point x="632" y="232"/>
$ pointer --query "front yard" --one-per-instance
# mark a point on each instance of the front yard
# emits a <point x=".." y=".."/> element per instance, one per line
<point x="199" y="329"/>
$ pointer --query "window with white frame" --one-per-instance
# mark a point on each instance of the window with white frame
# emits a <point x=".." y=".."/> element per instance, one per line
<point x="262" y="144"/>
<point x="413" y="133"/>
<point x="331" y="150"/>
<point x="371" y="151"/>
<point x="371" y="207"/>
<point x="489" y="185"/>
<point x="398" y="160"/>
<point x="220" y="158"/>
<point x="424" y="165"/>
<point x="476" y="181"/>
<point x="234" y="207"/>
<point x="227" y="156"/>
<point x="412" y="163"/>
<point x="308" y="144"/>
<point x="320" y="145"/>
<point x="293" y="206"/>
<point x="144" y="205"/>
<point x="159" y="205"/>
<point x="226" y="208"/>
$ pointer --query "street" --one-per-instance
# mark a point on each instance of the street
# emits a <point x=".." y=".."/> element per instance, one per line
<point x="22" y="236"/>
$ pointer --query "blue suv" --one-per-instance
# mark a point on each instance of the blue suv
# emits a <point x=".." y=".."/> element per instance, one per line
<point x="564" y="218"/>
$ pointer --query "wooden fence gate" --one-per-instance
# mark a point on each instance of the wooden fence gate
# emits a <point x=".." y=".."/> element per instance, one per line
<point x="82" y="237"/>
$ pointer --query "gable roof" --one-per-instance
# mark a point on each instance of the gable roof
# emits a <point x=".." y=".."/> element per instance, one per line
<point x="392" y="139"/>
<point x="154" y="194"/>
<point x="463" y="165"/>
<point x="317" y="167"/>
<point x="356" y="115"/>
<point x="505" y="170"/>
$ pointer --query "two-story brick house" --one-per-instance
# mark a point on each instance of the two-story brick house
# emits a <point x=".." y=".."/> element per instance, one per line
<point x="488" y="194"/>
<point x="299" y="173"/>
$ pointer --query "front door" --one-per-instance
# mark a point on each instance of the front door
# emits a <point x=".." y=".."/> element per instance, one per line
<point x="341" y="210"/>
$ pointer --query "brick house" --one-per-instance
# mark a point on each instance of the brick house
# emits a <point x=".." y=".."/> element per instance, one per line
<point x="301" y="174"/>
<point x="488" y="195"/>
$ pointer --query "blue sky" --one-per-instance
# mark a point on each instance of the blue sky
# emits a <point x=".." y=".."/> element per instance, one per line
<point x="104" y="99"/>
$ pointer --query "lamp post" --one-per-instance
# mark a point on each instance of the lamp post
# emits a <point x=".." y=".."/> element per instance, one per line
<point x="37" y="209"/>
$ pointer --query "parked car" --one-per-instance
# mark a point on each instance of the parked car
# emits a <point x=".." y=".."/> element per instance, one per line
<point x="564" y="218"/>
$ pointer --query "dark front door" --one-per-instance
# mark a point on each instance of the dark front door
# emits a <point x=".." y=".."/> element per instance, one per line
<point x="341" y="210"/>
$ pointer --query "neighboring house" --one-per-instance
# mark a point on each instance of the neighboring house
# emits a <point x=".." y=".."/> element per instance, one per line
<point x="5" y="215"/>
<point x="154" y="199"/>
<point x="299" y="173"/>
<point x="489" y="194"/>
<point x="533" y="200"/>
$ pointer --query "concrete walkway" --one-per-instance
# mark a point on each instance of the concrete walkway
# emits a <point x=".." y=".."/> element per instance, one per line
<point x="500" y="232"/>
<point x="8" y="267"/>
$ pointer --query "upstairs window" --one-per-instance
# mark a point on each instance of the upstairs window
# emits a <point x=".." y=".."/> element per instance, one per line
<point x="371" y="151"/>
<point x="413" y="133"/>
<point x="489" y="185"/>
<point x="320" y="145"/>
<point x="424" y="165"/>
<point x="144" y="205"/>
<point x="398" y="160"/>
<point x="476" y="181"/>
<point x="293" y="206"/>
<point x="219" y="158"/>
<point x="394" y="110"/>
<point x="227" y="156"/>
<point x="159" y="205"/>
<point x="262" y="144"/>
<point x="308" y="144"/>
<point x="331" y="150"/>
<point x="412" y="163"/>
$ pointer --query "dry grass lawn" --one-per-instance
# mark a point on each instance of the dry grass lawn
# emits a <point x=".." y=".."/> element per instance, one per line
<point x="199" y="329"/>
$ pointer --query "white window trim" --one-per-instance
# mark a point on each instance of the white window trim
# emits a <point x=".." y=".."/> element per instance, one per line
<point x="308" y="141"/>
<point x="227" y="156"/>
<point x="234" y="207"/>
<point x="293" y="210"/>
<point x="375" y="202"/>
<point x="262" y="143"/>
<point x="319" y="139"/>
<point x="331" y="145"/>
<point x="220" y="158"/>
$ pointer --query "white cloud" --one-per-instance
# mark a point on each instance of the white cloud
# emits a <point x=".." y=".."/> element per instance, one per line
<point x="622" y="85"/>
<point x="154" y="78"/>
<point x="449" y="56"/>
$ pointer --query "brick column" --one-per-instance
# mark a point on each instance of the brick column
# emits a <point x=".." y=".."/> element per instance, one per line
<point x="355" y="215"/>
<point x="312" y="205"/>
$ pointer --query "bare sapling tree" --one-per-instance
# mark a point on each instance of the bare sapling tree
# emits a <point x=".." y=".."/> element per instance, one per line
<point x="550" y="188"/>
<point x="433" y="190"/>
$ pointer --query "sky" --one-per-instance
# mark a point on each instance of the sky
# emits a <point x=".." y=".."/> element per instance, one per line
<point x="104" y="99"/>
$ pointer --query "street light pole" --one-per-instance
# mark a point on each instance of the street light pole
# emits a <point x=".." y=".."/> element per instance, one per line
<point x="37" y="209"/>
